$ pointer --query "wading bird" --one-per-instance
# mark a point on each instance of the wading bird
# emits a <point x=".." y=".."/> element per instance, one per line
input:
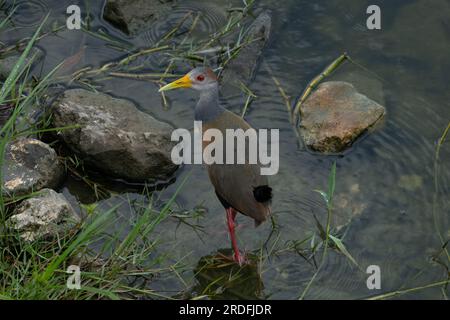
<point x="239" y="187"/>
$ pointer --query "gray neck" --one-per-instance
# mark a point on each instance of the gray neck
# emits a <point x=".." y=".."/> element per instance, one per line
<point x="208" y="107"/>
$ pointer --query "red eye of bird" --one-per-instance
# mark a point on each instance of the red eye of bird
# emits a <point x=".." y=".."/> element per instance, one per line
<point x="201" y="77"/>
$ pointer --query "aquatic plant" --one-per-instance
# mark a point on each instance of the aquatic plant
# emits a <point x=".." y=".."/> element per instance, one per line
<point x="37" y="270"/>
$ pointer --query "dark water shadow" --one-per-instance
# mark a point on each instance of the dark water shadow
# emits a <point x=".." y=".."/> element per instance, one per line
<point x="219" y="277"/>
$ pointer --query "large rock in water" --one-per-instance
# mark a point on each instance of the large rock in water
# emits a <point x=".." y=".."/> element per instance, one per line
<point x="45" y="215"/>
<point x="114" y="136"/>
<point x="132" y="16"/>
<point x="334" y="115"/>
<point x="29" y="165"/>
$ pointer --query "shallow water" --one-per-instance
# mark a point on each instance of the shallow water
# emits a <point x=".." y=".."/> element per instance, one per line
<point x="385" y="181"/>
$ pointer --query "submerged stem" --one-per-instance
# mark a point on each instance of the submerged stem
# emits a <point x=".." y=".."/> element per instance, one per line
<point x="436" y="189"/>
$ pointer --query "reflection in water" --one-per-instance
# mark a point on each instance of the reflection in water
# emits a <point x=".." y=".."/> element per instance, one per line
<point x="207" y="17"/>
<point x="82" y="187"/>
<point x="219" y="277"/>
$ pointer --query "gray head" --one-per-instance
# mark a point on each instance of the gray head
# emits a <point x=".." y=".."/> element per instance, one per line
<point x="200" y="78"/>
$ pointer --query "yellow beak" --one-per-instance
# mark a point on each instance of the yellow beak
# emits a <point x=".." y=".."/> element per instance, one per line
<point x="184" y="82"/>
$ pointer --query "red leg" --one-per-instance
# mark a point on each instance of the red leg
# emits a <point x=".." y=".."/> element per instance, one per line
<point x="231" y="215"/>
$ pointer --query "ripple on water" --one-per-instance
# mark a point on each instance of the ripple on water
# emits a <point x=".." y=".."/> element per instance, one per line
<point x="341" y="278"/>
<point x="29" y="13"/>
<point x="211" y="17"/>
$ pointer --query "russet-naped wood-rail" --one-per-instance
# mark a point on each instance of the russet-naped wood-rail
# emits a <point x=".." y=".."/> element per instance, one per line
<point x="239" y="187"/>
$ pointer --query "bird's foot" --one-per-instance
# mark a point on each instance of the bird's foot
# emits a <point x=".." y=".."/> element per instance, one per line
<point x="239" y="258"/>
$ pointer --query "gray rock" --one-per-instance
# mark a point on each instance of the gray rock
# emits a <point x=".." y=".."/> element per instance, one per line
<point x="241" y="68"/>
<point x="30" y="165"/>
<point x="334" y="115"/>
<point x="7" y="63"/>
<point x="45" y="215"/>
<point x="114" y="136"/>
<point x="133" y="16"/>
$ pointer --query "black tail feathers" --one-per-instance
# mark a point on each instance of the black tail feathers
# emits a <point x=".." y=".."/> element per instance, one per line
<point x="262" y="194"/>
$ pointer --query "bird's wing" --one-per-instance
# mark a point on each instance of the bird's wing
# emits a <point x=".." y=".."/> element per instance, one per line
<point x="236" y="183"/>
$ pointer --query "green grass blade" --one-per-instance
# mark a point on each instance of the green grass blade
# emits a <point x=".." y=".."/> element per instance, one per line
<point x="16" y="71"/>
<point x="324" y="195"/>
<point x="340" y="245"/>
<point x="332" y="183"/>
<point x="83" y="237"/>
<point x="4" y="22"/>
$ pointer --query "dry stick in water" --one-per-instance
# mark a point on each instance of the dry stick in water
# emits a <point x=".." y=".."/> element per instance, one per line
<point x="315" y="82"/>
<point x="287" y="102"/>
<point x="247" y="103"/>
<point x="170" y="34"/>
<point x="330" y="196"/>
<point x="436" y="189"/>
<point x="194" y="24"/>
<point x="170" y="65"/>
<point x="134" y="56"/>
<point x="232" y="22"/>
<point x="327" y="72"/>
<point x="191" y="29"/>
<point x="286" y="98"/>
<point x="400" y="292"/>
<point x="89" y="71"/>
<point x="142" y="76"/>
<point x="21" y="44"/>
<point x="250" y="97"/>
